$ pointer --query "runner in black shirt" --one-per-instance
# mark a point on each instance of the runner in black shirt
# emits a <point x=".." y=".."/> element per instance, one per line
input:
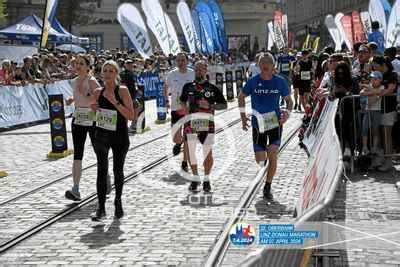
<point x="201" y="99"/>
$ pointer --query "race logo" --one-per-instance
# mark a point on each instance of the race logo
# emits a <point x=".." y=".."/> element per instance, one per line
<point x="56" y="106"/>
<point x="57" y="124"/>
<point x="242" y="234"/>
<point x="59" y="141"/>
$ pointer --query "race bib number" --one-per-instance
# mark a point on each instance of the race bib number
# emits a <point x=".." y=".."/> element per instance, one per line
<point x="285" y="67"/>
<point x="305" y="75"/>
<point x="106" y="119"/>
<point x="84" y="116"/>
<point x="200" y="125"/>
<point x="270" y="120"/>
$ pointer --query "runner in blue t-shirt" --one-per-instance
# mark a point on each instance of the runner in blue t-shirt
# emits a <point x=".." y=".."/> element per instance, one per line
<point x="284" y="63"/>
<point x="265" y="90"/>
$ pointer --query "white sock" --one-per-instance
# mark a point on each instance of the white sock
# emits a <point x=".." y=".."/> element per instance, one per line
<point x="206" y="178"/>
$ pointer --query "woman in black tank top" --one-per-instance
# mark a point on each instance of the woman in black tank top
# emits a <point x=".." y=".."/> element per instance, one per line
<point x="114" y="108"/>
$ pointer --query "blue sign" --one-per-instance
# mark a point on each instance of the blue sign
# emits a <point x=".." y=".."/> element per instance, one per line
<point x="153" y="87"/>
<point x="283" y="234"/>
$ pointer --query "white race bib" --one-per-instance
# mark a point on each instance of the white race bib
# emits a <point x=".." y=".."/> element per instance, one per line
<point x="106" y="119"/>
<point x="305" y="75"/>
<point x="84" y="116"/>
<point x="199" y="125"/>
<point x="285" y="67"/>
<point x="270" y="120"/>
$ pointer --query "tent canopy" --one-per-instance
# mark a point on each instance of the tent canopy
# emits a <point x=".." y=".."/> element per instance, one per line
<point x="74" y="39"/>
<point x="30" y="29"/>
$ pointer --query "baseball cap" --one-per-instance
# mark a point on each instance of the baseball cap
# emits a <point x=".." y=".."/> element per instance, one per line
<point x="376" y="75"/>
<point x="364" y="48"/>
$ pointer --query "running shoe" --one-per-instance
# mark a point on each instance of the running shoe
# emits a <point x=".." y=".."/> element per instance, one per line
<point x="267" y="192"/>
<point x="73" y="195"/>
<point x="109" y="186"/>
<point x="193" y="186"/>
<point x="177" y="149"/>
<point x="184" y="166"/>
<point x="98" y="215"/>
<point x="119" y="212"/>
<point x="207" y="187"/>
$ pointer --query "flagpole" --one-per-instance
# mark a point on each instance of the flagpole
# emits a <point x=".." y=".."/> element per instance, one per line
<point x="43" y="23"/>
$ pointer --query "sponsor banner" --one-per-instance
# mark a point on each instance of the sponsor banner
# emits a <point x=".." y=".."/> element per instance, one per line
<point x="239" y="80"/>
<point x="229" y="85"/>
<point x="211" y="27"/>
<point x="219" y="81"/>
<point x="285" y="28"/>
<point x="279" y="39"/>
<point x="278" y="18"/>
<point x="186" y="21"/>
<point x="20" y="105"/>
<point x="347" y="24"/>
<point x="219" y="21"/>
<point x="393" y="30"/>
<point x="339" y="25"/>
<point x="271" y="37"/>
<point x="366" y="22"/>
<point x="161" y="26"/>
<point x="153" y="87"/>
<point x="358" y="29"/>
<point x="132" y="23"/>
<point x="377" y="13"/>
<point x="334" y="31"/>
<point x="57" y="124"/>
<point x="323" y="169"/>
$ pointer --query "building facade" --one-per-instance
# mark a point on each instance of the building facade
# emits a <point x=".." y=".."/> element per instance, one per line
<point x="245" y="21"/>
<point x="308" y="16"/>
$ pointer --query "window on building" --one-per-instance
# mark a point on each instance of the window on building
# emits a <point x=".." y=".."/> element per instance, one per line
<point x="96" y="40"/>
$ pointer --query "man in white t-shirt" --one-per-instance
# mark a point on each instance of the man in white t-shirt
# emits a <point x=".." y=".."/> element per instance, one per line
<point x="175" y="81"/>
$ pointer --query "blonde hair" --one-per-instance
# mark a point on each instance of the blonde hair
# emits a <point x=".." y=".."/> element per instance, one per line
<point x="113" y="64"/>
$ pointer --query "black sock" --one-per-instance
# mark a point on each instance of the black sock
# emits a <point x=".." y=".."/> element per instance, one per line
<point x="184" y="164"/>
<point x="267" y="186"/>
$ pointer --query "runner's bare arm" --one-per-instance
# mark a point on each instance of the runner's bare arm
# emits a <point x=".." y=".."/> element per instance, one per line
<point x="242" y="109"/>
<point x="126" y="107"/>
<point x="95" y="98"/>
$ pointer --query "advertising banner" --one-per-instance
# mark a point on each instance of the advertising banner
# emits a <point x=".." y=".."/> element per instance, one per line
<point x="323" y="169"/>
<point x="347" y="25"/>
<point x="239" y="80"/>
<point x="229" y="86"/>
<point x="30" y="103"/>
<point x="132" y="23"/>
<point x="358" y="29"/>
<point x="186" y="21"/>
<point x="57" y="124"/>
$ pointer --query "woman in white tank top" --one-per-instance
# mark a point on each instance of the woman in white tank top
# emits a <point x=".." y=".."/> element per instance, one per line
<point x="83" y="122"/>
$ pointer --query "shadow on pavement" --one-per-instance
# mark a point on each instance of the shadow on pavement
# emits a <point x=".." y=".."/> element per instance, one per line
<point x="100" y="237"/>
<point x="175" y="178"/>
<point x="270" y="209"/>
<point x="200" y="200"/>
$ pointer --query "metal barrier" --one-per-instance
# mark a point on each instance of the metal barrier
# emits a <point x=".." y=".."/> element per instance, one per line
<point x="318" y="191"/>
<point x="358" y="126"/>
